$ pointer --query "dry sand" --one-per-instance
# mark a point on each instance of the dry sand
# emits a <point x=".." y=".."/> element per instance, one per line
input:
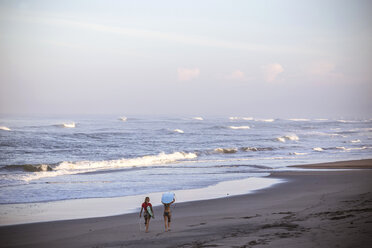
<point x="313" y="209"/>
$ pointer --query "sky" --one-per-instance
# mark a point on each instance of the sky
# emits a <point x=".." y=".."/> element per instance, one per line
<point x="288" y="58"/>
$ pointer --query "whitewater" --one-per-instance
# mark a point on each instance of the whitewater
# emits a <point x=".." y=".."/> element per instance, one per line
<point x="52" y="159"/>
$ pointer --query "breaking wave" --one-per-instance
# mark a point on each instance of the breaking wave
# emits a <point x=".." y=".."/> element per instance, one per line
<point x="318" y="149"/>
<point x="198" y="118"/>
<point x="4" y="128"/>
<point x="292" y="137"/>
<point x="226" y="150"/>
<point x="298" y="153"/>
<point x="70" y="168"/>
<point x="69" y="125"/>
<point x="178" y="131"/>
<point x="241" y="118"/>
<point x="123" y="118"/>
<point x="239" y="127"/>
<point x="265" y="120"/>
<point x="256" y="149"/>
<point x="299" y="119"/>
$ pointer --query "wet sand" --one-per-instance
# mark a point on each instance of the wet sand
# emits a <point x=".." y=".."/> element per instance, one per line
<point x="313" y="209"/>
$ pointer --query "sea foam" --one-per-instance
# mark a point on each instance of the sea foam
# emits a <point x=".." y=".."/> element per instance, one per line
<point x="292" y="137"/>
<point x="178" y="131"/>
<point x="239" y="127"/>
<point x="69" y="125"/>
<point x="5" y="128"/>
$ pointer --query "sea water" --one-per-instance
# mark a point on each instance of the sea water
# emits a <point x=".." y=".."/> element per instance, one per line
<point x="58" y="158"/>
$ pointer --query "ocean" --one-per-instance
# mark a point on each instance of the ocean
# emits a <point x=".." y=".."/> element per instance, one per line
<point x="52" y="159"/>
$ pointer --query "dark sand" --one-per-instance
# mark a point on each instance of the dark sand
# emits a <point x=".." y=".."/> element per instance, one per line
<point x="313" y="209"/>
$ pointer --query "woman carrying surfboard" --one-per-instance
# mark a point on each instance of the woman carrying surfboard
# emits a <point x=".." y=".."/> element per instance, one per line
<point x="148" y="212"/>
<point x="167" y="200"/>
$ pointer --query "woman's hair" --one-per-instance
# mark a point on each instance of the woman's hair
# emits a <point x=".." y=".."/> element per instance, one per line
<point x="147" y="198"/>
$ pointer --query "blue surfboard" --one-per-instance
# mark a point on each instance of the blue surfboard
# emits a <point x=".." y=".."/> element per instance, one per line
<point x="167" y="197"/>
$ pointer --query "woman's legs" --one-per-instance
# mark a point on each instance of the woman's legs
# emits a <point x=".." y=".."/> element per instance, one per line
<point x="165" y="223"/>
<point x="147" y="224"/>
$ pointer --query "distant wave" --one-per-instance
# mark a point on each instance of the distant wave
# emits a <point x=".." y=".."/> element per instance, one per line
<point x="244" y="149"/>
<point x="123" y="118"/>
<point x="355" y="141"/>
<point x="178" y="131"/>
<point x="298" y="153"/>
<point x="241" y="118"/>
<point x="353" y="148"/>
<point x="299" y="119"/>
<point x="292" y="137"/>
<point x="318" y="149"/>
<point x="348" y="121"/>
<point x="250" y="119"/>
<point x="265" y="120"/>
<point x="256" y="149"/>
<point x="324" y="134"/>
<point x="226" y="150"/>
<point x="69" y="168"/>
<point x="5" y="128"/>
<point x="69" y="125"/>
<point x="198" y="118"/>
<point x="239" y="127"/>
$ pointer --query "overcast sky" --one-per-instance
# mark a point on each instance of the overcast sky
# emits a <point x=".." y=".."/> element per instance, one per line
<point x="248" y="58"/>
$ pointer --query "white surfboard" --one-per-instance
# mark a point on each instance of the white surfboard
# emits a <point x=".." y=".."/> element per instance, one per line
<point x="167" y="197"/>
<point x="149" y="211"/>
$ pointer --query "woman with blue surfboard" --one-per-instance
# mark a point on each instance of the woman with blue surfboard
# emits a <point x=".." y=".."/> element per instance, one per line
<point x="148" y="214"/>
<point x="167" y="199"/>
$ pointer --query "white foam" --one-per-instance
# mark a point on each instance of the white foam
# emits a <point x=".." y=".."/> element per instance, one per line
<point x="354" y="148"/>
<point x="198" y="118"/>
<point x="69" y="125"/>
<point x="226" y="150"/>
<point x="123" y="118"/>
<point x="347" y="121"/>
<point x="5" y="128"/>
<point x="355" y="141"/>
<point x="265" y="120"/>
<point x="321" y="119"/>
<point x="69" y="168"/>
<point x="318" y="149"/>
<point x="178" y="131"/>
<point x="292" y="137"/>
<point x="298" y="153"/>
<point x="239" y="127"/>
<point x="299" y="119"/>
<point x="241" y="118"/>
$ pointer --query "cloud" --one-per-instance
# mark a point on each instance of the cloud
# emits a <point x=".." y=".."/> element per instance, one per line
<point x="321" y="68"/>
<point x="186" y="74"/>
<point x="324" y="72"/>
<point x="236" y="75"/>
<point x="272" y="71"/>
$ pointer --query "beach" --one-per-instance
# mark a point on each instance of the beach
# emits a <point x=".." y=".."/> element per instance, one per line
<point x="311" y="209"/>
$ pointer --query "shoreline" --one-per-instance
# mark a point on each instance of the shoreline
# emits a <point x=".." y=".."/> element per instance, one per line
<point x="312" y="209"/>
<point x="27" y="213"/>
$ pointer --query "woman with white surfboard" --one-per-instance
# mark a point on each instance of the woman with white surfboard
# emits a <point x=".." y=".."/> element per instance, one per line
<point x="148" y="214"/>
<point x="167" y="200"/>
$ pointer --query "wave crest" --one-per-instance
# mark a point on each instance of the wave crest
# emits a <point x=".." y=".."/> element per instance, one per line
<point x="292" y="137"/>
<point x="5" y="128"/>
<point x="239" y="127"/>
